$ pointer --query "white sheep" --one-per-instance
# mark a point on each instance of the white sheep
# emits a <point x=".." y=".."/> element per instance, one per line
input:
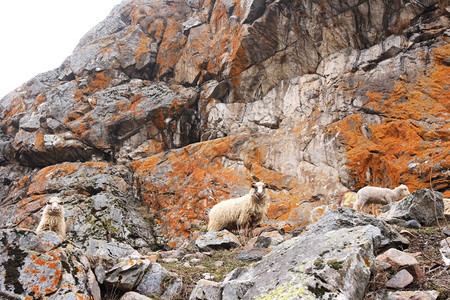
<point x="243" y="213"/>
<point x="53" y="218"/>
<point x="376" y="195"/>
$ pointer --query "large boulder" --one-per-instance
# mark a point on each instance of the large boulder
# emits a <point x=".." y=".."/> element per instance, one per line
<point x="425" y="206"/>
<point x="98" y="199"/>
<point x="332" y="258"/>
<point x="43" y="265"/>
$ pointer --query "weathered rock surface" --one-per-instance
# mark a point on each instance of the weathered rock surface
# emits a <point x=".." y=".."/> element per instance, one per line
<point x="314" y="97"/>
<point x="127" y="274"/>
<point x="35" y="265"/>
<point x="406" y="295"/>
<point x="425" y="206"/>
<point x="217" y="240"/>
<point x="445" y="251"/>
<point x="134" y="296"/>
<point x="98" y="198"/>
<point x="400" y="280"/>
<point x="333" y="258"/>
<point x="397" y="259"/>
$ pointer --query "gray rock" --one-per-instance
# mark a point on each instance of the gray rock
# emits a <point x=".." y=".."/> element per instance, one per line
<point x="174" y="289"/>
<point x="423" y="205"/>
<point x="254" y="254"/>
<point x="206" y="290"/>
<point x="262" y="242"/>
<point x="346" y="218"/>
<point x="397" y="259"/>
<point x="127" y="274"/>
<point x="400" y="280"/>
<point x="134" y="296"/>
<point x="93" y="286"/>
<point x="333" y="258"/>
<point x="401" y="295"/>
<point x="98" y="198"/>
<point x="412" y="224"/>
<point x="40" y="265"/>
<point x="445" y="251"/>
<point x="110" y="252"/>
<point x="152" y="282"/>
<point x="217" y="240"/>
<point x="235" y="290"/>
<point x="446" y="230"/>
<point x="30" y="122"/>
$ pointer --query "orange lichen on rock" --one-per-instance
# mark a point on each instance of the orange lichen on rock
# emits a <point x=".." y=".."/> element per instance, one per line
<point x="169" y="49"/>
<point x="411" y="144"/>
<point x="143" y="46"/>
<point x="95" y="83"/>
<point x="47" y="178"/>
<point x="180" y="207"/>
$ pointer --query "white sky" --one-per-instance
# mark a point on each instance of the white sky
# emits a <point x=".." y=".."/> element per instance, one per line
<point x="37" y="35"/>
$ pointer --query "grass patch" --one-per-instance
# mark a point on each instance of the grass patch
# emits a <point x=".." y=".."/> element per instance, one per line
<point x="193" y="273"/>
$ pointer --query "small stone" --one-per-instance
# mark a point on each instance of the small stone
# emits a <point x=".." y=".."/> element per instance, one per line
<point x="400" y="280"/>
<point x="252" y="255"/>
<point x="134" y="296"/>
<point x="200" y="267"/>
<point x="446" y="230"/>
<point x="208" y="276"/>
<point x="187" y="265"/>
<point x="275" y="237"/>
<point x="445" y="251"/>
<point x="263" y="242"/>
<point x="397" y="259"/>
<point x="416" y="295"/>
<point x="152" y="257"/>
<point x="218" y="264"/>
<point x="170" y="260"/>
<point x="381" y="266"/>
<point x="412" y="224"/>
<point x="217" y="240"/>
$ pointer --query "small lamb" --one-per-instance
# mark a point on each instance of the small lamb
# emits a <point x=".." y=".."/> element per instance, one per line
<point x="243" y="213"/>
<point x="53" y="218"/>
<point x="376" y="195"/>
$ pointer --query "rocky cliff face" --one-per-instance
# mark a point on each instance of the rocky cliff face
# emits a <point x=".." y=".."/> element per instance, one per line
<point x="171" y="106"/>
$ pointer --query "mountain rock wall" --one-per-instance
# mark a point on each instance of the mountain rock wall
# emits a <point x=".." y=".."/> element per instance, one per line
<point x="182" y="101"/>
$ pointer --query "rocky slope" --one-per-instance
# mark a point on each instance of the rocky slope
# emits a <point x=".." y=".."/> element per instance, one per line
<point x="166" y="107"/>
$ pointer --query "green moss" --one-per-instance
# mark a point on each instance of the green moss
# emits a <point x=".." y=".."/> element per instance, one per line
<point x="333" y="263"/>
<point x="318" y="291"/>
<point x="324" y="252"/>
<point x="318" y="263"/>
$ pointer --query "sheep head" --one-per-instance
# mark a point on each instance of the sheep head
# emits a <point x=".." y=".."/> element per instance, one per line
<point x="54" y="206"/>
<point x="258" y="190"/>
<point x="402" y="190"/>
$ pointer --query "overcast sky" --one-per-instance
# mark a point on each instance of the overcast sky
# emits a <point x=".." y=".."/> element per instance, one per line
<point x="37" y="35"/>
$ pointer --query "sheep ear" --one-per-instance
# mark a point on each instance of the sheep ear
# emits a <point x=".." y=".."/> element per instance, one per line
<point x="254" y="178"/>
